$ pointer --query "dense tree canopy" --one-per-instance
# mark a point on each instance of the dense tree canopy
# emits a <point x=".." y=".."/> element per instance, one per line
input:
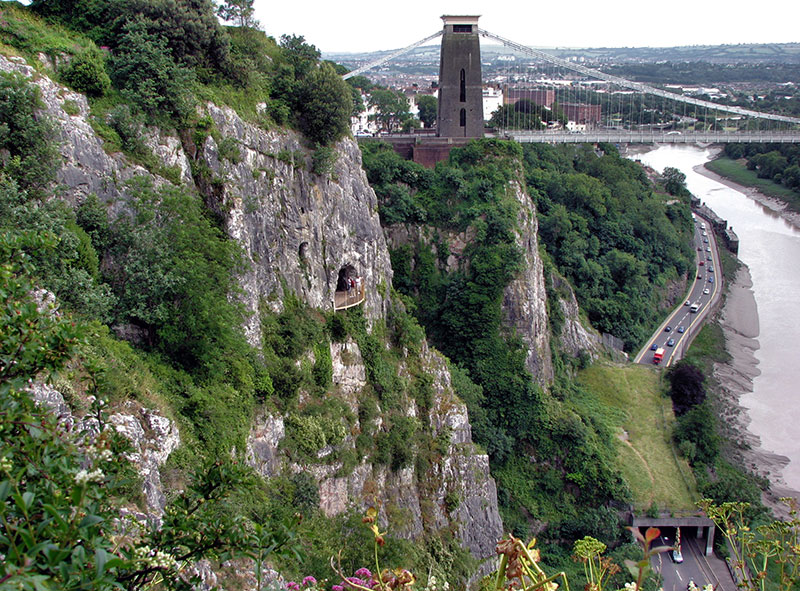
<point x="428" y="107"/>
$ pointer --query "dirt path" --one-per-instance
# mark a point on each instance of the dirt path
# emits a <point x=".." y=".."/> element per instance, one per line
<point x="623" y="437"/>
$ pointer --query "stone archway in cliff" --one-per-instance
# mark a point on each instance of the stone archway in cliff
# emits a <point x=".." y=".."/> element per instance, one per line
<point x="349" y="288"/>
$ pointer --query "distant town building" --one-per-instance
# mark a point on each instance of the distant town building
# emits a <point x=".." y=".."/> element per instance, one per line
<point x="582" y="114"/>
<point x="492" y="100"/>
<point x="361" y="124"/>
<point x="540" y="96"/>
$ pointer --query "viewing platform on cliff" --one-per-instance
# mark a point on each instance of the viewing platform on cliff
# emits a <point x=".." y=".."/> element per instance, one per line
<point x="348" y="298"/>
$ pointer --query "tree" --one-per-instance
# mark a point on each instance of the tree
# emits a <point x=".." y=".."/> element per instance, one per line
<point x="240" y="11"/>
<point x="325" y="105"/>
<point x="686" y="387"/>
<point x="301" y="55"/>
<point x="147" y="74"/>
<point x="428" y="107"/>
<point x="392" y="108"/>
<point x="674" y="182"/>
<point x="86" y="72"/>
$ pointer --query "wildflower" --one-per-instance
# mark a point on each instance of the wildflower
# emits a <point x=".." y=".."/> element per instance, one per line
<point x="82" y="477"/>
<point x="363" y="573"/>
<point x="309" y="580"/>
<point x="5" y="464"/>
<point x="337" y="588"/>
<point x="293" y="586"/>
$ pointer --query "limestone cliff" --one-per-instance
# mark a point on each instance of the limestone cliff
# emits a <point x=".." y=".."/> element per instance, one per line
<point x="300" y="232"/>
<point x="457" y="492"/>
<point x="525" y="298"/>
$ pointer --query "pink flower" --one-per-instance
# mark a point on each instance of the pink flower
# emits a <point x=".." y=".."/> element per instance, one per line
<point x="363" y="573"/>
<point x="309" y="580"/>
<point x="337" y="588"/>
<point x="293" y="586"/>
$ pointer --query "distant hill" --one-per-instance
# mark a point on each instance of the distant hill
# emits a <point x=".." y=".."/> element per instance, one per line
<point x="694" y="64"/>
<point x="783" y="53"/>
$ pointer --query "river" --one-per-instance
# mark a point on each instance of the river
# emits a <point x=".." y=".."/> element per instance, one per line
<point x="770" y="247"/>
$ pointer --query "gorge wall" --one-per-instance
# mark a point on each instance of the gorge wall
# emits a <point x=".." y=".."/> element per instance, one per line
<point x="298" y="231"/>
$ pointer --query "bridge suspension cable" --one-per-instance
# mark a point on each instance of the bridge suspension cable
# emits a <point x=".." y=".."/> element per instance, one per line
<point x="391" y="56"/>
<point x="634" y="85"/>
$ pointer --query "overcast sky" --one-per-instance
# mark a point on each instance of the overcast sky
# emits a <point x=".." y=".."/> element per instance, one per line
<point x="369" y="25"/>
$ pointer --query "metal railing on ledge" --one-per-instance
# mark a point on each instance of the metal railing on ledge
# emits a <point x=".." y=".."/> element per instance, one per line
<point x="347" y="299"/>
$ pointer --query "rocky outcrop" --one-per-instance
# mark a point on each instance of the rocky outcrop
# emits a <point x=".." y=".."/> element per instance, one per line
<point x="153" y="438"/>
<point x="87" y="167"/>
<point x="457" y="492"/>
<point x="525" y="298"/>
<point x="300" y="230"/>
<point x="574" y="338"/>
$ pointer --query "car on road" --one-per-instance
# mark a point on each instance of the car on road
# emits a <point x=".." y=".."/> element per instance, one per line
<point x="708" y="257"/>
<point x="676" y="555"/>
<point x="708" y="249"/>
<point x="710" y="269"/>
<point x="705" y="233"/>
<point x="705" y="291"/>
<point x="667" y="328"/>
<point x="687" y="303"/>
<point x="670" y="342"/>
<point x="705" y="240"/>
<point x="681" y="329"/>
<point x="702" y="263"/>
<point x="711" y="280"/>
<point x="654" y="346"/>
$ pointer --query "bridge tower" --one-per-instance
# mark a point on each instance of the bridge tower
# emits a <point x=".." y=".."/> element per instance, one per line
<point x="460" y="83"/>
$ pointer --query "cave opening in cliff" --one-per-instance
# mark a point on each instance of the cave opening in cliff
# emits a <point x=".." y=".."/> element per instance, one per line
<point x="349" y="288"/>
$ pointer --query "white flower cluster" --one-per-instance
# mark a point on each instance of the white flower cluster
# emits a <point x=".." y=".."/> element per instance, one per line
<point x="433" y="585"/>
<point x="155" y="558"/>
<point x="83" y="476"/>
<point x="102" y="454"/>
<point x="630" y="586"/>
<point x="5" y="464"/>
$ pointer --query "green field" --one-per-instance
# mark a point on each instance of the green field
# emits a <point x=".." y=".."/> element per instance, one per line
<point x="647" y="459"/>
<point x="737" y="171"/>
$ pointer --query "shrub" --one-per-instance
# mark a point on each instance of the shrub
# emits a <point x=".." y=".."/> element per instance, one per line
<point x="323" y="159"/>
<point x="86" y="73"/>
<point x="148" y="76"/>
<point x="29" y="138"/>
<point x="324" y="105"/>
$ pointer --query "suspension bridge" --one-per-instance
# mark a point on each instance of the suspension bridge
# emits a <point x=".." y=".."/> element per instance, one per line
<point x="552" y="100"/>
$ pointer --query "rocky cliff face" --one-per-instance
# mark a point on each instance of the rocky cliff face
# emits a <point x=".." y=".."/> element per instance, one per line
<point x="300" y="231"/>
<point x="457" y="492"/>
<point x="525" y="298"/>
<point x="574" y="337"/>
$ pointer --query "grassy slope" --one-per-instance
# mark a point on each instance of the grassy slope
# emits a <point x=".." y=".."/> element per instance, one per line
<point x="736" y="171"/>
<point x="647" y="460"/>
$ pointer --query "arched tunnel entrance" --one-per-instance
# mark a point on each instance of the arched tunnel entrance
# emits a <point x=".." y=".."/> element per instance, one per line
<point x="350" y="290"/>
